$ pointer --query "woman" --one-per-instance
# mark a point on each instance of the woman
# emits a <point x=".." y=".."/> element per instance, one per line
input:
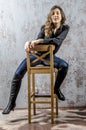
<point x="54" y="31"/>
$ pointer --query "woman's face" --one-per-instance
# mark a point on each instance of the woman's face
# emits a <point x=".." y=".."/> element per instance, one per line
<point x="56" y="16"/>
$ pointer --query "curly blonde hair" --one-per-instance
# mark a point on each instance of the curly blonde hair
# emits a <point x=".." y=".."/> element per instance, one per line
<point x="49" y="26"/>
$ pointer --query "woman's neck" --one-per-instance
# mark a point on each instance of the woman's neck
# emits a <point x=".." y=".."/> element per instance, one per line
<point x="57" y="25"/>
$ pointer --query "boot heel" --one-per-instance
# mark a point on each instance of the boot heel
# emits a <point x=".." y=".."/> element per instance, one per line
<point x="13" y="107"/>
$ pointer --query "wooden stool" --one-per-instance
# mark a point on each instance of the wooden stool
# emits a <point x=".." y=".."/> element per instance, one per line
<point x="48" y="50"/>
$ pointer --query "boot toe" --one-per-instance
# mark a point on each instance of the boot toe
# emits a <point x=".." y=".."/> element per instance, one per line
<point x="5" y="112"/>
<point x="59" y="95"/>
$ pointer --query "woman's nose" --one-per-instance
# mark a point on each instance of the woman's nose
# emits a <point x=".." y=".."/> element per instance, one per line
<point x="55" y="14"/>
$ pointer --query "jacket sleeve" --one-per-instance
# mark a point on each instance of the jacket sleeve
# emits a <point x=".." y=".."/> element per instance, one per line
<point x="58" y="39"/>
<point x="41" y="34"/>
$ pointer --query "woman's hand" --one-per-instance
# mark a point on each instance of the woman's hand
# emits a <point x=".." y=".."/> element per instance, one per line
<point x="35" y="42"/>
<point x="27" y="46"/>
<point x="32" y="44"/>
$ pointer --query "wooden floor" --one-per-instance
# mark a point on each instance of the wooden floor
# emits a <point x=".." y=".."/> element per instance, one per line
<point x="68" y="119"/>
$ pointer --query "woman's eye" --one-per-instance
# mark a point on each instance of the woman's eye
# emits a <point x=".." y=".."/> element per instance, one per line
<point x="53" y="13"/>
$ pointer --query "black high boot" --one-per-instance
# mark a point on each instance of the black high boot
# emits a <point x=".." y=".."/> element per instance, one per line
<point x="59" y="79"/>
<point x="15" y="87"/>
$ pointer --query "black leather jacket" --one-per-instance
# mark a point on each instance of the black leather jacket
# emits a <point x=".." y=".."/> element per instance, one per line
<point x="56" y="38"/>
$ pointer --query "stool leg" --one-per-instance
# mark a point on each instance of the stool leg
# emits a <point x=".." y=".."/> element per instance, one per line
<point x="29" y="100"/>
<point x="56" y="98"/>
<point x="52" y="99"/>
<point x="33" y="90"/>
<point x="56" y="106"/>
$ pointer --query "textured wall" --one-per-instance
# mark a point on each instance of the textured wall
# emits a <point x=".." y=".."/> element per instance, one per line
<point x="20" y="21"/>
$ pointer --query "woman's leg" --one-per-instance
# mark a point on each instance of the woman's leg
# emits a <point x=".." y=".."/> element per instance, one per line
<point x="16" y="84"/>
<point x="62" y="67"/>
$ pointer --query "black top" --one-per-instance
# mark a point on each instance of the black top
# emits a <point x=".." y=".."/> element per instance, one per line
<point x="56" y="38"/>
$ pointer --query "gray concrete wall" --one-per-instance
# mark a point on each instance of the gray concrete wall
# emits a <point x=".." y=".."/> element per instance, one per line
<point x="20" y="20"/>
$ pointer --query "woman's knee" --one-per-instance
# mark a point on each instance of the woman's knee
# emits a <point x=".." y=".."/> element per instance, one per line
<point x="65" y="65"/>
<point x="62" y="65"/>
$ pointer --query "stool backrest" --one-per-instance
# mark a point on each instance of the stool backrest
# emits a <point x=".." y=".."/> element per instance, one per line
<point x="40" y="52"/>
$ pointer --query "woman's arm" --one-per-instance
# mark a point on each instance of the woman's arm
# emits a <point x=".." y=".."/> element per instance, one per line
<point x="40" y="39"/>
<point x="58" y="40"/>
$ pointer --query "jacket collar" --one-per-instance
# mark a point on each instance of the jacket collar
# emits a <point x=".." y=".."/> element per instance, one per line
<point x="58" y="31"/>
